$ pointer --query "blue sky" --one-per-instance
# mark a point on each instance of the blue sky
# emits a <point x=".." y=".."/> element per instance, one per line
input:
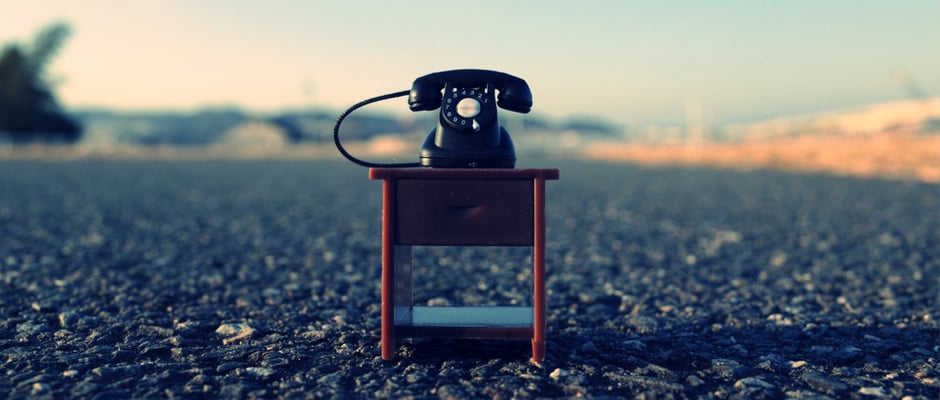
<point x="630" y="62"/>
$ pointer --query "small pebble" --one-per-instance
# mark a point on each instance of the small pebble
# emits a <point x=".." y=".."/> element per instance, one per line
<point x="634" y="344"/>
<point x="259" y="372"/>
<point x="873" y="391"/>
<point x="589" y="347"/>
<point x="40" y="388"/>
<point x="558" y="373"/>
<point x="752" y="382"/>
<point x="234" y="332"/>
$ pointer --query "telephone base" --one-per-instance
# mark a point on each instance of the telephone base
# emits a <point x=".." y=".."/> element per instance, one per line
<point x="435" y="156"/>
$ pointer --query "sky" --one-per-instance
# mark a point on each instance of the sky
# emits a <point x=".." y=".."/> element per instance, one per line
<point x="628" y="62"/>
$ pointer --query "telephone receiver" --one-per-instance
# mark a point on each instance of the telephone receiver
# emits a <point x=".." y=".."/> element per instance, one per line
<point x="468" y="134"/>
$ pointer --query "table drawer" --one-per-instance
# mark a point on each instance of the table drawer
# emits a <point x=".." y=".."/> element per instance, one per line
<point x="465" y="212"/>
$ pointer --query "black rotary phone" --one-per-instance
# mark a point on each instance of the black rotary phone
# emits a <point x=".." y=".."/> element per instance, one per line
<point x="468" y="134"/>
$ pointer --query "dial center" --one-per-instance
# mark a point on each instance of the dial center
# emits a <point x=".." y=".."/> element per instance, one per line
<point x="468" y="107"/>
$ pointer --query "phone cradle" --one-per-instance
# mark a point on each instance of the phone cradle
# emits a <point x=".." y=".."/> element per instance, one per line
<point x="460" y="207"/>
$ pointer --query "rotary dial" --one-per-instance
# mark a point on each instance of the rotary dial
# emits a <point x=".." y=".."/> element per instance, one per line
<point x="464" y="108"/>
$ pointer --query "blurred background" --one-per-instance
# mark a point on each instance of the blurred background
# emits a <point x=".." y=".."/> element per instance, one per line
<point x="837" y="87"/>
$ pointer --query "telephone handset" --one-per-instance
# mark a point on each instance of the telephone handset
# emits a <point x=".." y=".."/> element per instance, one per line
<point x="468" y="134"/>
<point x="514" y="92"/>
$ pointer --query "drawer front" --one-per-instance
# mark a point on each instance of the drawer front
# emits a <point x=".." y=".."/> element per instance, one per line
<point x="465" y="212"/>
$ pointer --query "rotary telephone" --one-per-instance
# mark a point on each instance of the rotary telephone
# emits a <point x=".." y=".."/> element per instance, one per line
<point x="468" y="134"/>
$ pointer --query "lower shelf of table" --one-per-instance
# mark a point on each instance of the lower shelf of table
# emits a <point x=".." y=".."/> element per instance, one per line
<point x="464" y="322"/>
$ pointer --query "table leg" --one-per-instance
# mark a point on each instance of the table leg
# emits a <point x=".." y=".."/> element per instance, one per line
<point x="388" y="270"/>
<point x="538" y="265"/>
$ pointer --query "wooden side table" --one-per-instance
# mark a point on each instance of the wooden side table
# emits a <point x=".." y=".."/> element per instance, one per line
<point x="460" y="207"/>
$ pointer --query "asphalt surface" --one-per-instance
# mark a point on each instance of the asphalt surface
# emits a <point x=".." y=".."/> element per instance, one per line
<point x="261" y="279"/>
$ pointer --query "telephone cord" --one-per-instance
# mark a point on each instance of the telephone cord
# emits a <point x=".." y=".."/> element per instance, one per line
<point x="350" y="157"/>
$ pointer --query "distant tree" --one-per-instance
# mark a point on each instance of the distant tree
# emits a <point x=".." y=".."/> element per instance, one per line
<point x="29" y="111"/>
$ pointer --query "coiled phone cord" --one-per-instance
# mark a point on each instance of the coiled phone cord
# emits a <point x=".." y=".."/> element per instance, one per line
<point x="356" y="106"/>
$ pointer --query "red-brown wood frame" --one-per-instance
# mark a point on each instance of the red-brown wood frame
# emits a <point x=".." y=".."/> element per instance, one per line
<point x="390" y="223"/>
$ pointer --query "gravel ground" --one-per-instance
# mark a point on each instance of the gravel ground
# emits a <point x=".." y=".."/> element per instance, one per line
<point x="261" y="279"/>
